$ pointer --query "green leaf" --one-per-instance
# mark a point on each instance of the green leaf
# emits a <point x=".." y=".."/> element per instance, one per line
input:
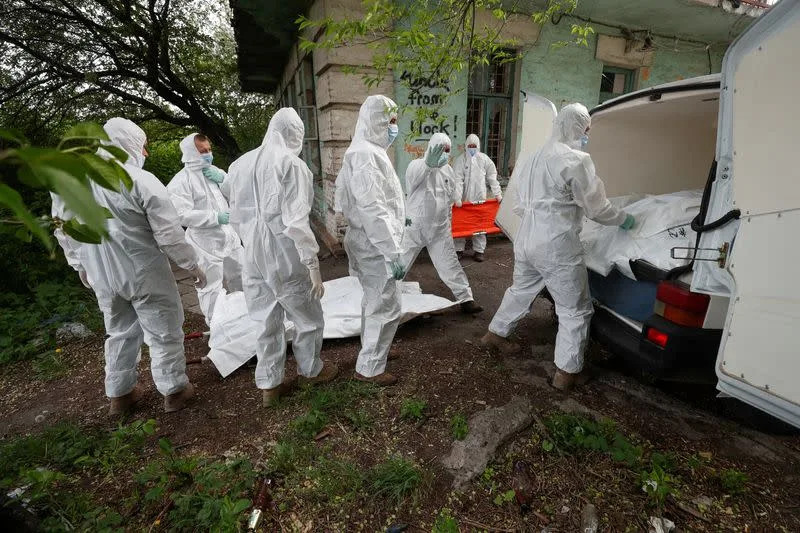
<point x="240" y="506"/>
<point x="13" y="135"/>
<point x="103" y="172"/>
<point x="498" y="500"/>
<point x="117" y="152"/>
<point x="81" y="232"/>
<point x="11" y="199"/>
<point x="85" y="130"/>
<point x="24" y="235"/>
<point x="547" y="446"/>
<point x="77" y="197"/>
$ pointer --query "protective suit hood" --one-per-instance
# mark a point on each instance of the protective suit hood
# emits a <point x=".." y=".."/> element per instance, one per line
<point x="571" y="124"/>
<point x="191" y="156"/>
<point x="473" y="139"/>
<point x="373" y="120"/>
<point x="128" y="136"/>
<point x="285" y="131"/>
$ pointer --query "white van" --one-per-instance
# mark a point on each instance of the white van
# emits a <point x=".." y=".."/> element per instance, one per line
<point x="719" y="287"/>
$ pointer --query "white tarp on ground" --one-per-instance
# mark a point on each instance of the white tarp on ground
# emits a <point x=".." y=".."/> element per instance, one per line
<point x="233" y="334"/>
<point x="662" y="223"/>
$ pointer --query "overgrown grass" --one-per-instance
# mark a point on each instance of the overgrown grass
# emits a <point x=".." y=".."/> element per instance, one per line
<point x="45" y="470"/>
<point x="28" y="324"/>
<point x="198" y="492"/>
<point x="395" y="479"/>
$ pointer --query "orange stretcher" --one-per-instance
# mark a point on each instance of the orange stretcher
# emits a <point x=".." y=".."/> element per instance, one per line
<point x="475" y="219"/>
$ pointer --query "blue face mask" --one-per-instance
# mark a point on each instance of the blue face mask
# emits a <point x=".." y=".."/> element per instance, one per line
<point x="393" y="131"/>
<point x="208" y="158"/>
<point x="472" y="151"/>
<point x="584" y="141"/>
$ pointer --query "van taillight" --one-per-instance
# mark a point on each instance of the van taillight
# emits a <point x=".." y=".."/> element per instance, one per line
<point x="657" y="337"/>
<point x="678" y="304"/>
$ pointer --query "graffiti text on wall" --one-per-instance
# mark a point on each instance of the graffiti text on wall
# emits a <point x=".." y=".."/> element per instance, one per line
<point x="423" y="92"/>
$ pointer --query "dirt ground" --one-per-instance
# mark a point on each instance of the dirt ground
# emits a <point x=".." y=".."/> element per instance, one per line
<point x="438" y="360"/>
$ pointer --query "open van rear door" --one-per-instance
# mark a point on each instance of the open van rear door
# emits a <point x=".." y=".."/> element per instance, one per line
<point x="538" y="115"/>
<point x="758" y="256"/>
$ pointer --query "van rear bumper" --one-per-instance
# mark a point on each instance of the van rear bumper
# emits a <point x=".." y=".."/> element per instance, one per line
<point x="686" y="347"/>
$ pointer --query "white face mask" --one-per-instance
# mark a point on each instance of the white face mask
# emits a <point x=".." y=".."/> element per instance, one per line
<point x="472" y="151"/>
<point x="393" y="131"/>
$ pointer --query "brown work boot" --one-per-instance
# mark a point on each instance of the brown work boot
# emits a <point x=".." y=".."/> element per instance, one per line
<point x="177" y="401"/>
<point x="271" y="396"/>
<point x="470" y="308"/>
<point x="495" y="343"/>
<point x="381" y="380"/>
<point x="123" y="405"/>
<point x="328" y="373"/>
<point x="478" y="257"/>
<point x="563" y="381"/>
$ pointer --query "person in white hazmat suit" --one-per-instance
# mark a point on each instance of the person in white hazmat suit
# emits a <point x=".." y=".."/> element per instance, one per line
<point x="474" y="169"/>
<point x="203" y="210"/>
<point x="432" y="190"/>
<point x="370" y="197"/>
<point x="557" y="186"/>
<point x="132" y="279"/>
<point x="273" y="195"/>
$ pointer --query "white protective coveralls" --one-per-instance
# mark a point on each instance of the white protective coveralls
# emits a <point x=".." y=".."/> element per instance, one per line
<point x="130" y="273"/>
<point x="369" y="195"/>
<point x="199" y="201"/>
<point x="474" y="172"/>
<point x="557" y="186"/>
<point x="273" y="194"/>
<point x="431" y="194"/>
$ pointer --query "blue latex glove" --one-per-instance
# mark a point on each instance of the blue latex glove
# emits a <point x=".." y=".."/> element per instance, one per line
<point x="398" y="270"/>
<point x="408" y="221"/>
<point x="223" y="218"/>
<point x="213" y="174"/>
<point x="434" y="157"/>
<point x="629" y="223"/>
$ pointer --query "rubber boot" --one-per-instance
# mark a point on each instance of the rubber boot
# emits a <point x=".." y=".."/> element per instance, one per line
<point x="478" y="257"/>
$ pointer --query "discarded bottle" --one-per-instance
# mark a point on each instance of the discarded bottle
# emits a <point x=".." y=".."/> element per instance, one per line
<point x="523" y="485"/>
<point x="262" y="500"/>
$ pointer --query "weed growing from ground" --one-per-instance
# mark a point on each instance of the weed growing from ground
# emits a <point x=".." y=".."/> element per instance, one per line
<point x="459" y="427"/>
<point x="733" y="481"/>
<point x="413" y="409"/>
<point x="445" y="523"/>
<point x="203" y="493"/>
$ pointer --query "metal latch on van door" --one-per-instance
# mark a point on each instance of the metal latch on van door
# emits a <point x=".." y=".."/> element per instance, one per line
<point x="722" y="251"/>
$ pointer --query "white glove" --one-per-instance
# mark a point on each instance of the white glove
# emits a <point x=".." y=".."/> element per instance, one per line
<point x="499" y="198"/>
<point x="199" y="277"/>
<point x="317" y="288"/>
<point x="84" y="279"/>
<point x="458" y="203"/>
